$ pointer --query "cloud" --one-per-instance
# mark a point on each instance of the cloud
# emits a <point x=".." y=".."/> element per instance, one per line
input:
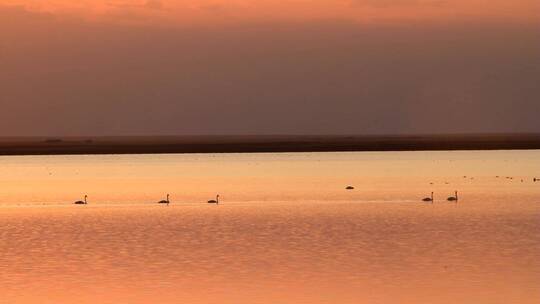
<point x="219" y="12"/>
<point x="154" y="4"/>
<point x="399" y="3"/>
<point x="149" y="4"/>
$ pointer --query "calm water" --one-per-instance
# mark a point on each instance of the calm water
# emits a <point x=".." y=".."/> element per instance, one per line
<point x="286" y="232"/>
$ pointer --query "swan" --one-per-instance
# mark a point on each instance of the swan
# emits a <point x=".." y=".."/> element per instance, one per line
<point x="82" y="202"/>
<point x="428" y="199"/>
<point x="453" y="198"/>
<point x="216" y="201"/>
<point x="165" y="201"/>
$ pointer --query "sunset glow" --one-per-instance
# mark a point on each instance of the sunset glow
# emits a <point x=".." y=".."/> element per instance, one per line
<point x="209" y="12"/>
<point x="269" y="151"/>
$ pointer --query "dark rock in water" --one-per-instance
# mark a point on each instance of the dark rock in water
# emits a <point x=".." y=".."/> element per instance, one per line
<point x="350" y="188"/>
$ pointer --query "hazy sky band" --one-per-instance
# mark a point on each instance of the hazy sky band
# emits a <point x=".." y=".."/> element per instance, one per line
<point x="268" y="67"/>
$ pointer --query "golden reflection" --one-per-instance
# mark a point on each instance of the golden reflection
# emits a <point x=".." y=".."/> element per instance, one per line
<point x="379" y="177"/>
<point x="286" y="229"/>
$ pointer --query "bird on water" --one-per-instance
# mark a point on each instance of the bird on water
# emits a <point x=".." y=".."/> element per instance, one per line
<point x="165" y="201"/>
<point x="216" y="201"/>
<point x="82" y="202"/>
<point x="428" y="199"/>
<point x="453" y="198"/>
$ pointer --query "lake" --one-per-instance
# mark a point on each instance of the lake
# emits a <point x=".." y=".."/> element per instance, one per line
<point x="286" y="229"/>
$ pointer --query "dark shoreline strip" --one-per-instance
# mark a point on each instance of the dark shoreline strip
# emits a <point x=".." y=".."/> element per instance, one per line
<point x="256" y="144"/>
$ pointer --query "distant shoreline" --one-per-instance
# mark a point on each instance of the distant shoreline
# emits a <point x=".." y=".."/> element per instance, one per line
<point x="259" y="144"/>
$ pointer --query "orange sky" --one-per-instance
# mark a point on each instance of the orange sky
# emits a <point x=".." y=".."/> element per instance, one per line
<point x="208" y="12"/>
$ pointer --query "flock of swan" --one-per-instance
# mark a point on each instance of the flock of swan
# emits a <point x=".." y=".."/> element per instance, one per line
<point x="431" y="199"/>
<point x="163" y="202"/>
<point x="426" y="199"/>
<point x="450" y="198"/>
<point x="216" y="201"/>
<point x="455" y="198"/>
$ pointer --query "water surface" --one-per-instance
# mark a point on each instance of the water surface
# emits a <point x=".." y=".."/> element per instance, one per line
<point x="287" y="231"/>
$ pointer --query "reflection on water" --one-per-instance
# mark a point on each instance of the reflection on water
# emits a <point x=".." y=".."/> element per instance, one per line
<point x="287" y="231"/>
<point x="402" y="176"/>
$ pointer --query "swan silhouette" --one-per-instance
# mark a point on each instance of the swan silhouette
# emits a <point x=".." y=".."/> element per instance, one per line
<point x="428" y="199"/>
<point x="82" y="202"/>
<point x="216" y="201"/>
<point x="453" y="198"/>
<point x="165" y="201"/>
